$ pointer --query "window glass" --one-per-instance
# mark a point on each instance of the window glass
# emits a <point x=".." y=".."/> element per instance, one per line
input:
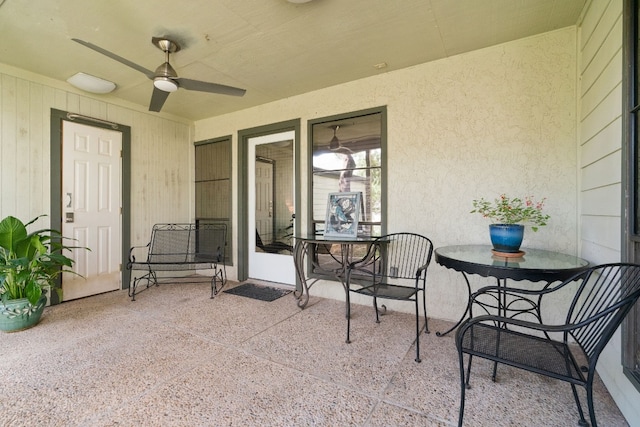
<point x="347" y="157"/>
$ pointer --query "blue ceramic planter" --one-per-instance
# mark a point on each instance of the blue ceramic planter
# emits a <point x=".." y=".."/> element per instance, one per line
<point x="506" y="237"/>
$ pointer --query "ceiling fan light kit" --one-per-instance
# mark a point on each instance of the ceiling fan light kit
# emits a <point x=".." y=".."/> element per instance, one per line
<point x="165" y="84"/>
<point x="90" y="83"/>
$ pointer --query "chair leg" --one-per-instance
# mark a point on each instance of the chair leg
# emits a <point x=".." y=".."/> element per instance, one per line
<point x="424" y="306"/>
<point x="375" y="304"/>
<point x="132" y="289"/>
<point x="592" y="412"/>
<point x="495" y="364"/>
<point x="348" y="341"/>
<point x="469" y="371"/>
<point x="464" y="383"/>
<point x="417" y="332"/>
<point x="581" y="422"/>
<point x="218" y="276"/>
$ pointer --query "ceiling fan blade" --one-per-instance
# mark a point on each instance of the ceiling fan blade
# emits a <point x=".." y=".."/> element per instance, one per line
<point x="120" y="59"/>
<point x="209" y="87"/>
<point x="157" y="99"/>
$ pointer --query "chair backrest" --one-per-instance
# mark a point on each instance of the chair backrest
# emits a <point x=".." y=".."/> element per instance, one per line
<point x="402" y="254"/>
<point x="605" y="295"/>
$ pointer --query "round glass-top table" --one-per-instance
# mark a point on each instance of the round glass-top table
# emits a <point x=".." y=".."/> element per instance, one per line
<point x="534" y="265"/>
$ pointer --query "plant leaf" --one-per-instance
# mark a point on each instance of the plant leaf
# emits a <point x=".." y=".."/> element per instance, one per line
<point x="33" y="292"/>
<point x="12" y="232"/>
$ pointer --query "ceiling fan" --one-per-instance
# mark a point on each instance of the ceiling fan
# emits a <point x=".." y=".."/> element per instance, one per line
<point x="335" y="144"/>
<point x="165" y="79"/>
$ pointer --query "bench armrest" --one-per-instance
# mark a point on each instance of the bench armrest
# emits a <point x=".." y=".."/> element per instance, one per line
<point x="137" y="250"/>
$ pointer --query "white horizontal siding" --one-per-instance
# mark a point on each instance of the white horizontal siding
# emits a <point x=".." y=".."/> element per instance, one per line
<point x="602" y="47"/>
<point x="599" y="146"/>
<point x="597" y="230"/>
<point x="602" y="85"/>
<point x="602" y="201"/>
<point x="589" y="24"/>
<point x="604" y="114"/>
<point x="608" y="140"/>
<point x="603" y="173"/>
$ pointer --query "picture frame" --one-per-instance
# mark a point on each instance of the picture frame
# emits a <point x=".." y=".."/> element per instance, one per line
<point x="343" y="214"/>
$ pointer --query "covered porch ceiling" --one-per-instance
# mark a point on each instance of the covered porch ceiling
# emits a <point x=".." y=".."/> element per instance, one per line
<point x="272" y="48"/>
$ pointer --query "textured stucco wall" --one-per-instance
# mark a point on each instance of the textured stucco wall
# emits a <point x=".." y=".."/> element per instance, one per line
<point x="501" y="119"/>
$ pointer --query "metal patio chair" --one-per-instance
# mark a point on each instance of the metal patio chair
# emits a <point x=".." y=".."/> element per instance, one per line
<point x="273" y="247"/>
<point x="395" y="267"/>
<point x="567" y="352"/>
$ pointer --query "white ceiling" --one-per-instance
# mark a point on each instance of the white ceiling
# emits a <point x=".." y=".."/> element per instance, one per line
<point x="272" y="48"/>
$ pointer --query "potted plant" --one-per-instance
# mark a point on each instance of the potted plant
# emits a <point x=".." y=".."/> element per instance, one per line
<point x="29" y="265"/>
<point x="510" y="214"/>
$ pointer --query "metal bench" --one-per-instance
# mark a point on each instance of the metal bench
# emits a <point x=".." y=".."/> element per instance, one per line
<point x="180" y="247"/>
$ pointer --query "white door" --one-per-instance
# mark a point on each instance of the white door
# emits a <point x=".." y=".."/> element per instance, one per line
<point x="91" y="208"/>
<point x="271" y="192"/>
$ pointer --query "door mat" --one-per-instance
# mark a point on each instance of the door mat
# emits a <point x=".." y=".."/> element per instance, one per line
<point x="262" y="293"/>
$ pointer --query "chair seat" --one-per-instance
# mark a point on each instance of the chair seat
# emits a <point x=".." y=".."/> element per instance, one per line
<point x="534" y="354"/>
<point x="388" y="291"/>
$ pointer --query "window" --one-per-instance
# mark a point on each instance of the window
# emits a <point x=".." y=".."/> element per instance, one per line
<point x="213" y="184"/>
<point x="631" y="148"/>
<point x="347" y="155"/>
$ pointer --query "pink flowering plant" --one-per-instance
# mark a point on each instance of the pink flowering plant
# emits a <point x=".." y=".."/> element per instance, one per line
<point x="513" y="210"/>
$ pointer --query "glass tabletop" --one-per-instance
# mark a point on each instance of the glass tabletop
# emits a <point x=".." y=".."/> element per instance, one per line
<point x="534" y="265"/>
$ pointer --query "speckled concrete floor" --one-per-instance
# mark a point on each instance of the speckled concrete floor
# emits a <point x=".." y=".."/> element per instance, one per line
<point x="174" y="357"/>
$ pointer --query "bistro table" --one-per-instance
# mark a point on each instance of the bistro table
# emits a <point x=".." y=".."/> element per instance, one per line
<point x="324" y="262"/>
<point x="534" y="265"/>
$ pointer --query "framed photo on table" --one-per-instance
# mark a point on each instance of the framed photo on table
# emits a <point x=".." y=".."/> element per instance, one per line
<point x="343" y="213"/>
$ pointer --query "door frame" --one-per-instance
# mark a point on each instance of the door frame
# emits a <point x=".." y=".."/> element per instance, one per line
<point x="57" y="117"/>
<point x="243" y="185"/>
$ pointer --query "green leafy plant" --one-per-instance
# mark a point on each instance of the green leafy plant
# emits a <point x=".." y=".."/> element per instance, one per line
<point x="30" y="261"/>
<point x="513" y="210"/>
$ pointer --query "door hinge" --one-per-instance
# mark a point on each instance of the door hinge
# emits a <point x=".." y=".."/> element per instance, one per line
<point x="120" y="267"/>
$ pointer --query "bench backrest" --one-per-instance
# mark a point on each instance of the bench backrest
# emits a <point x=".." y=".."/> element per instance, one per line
<point x="187" y="243"/>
